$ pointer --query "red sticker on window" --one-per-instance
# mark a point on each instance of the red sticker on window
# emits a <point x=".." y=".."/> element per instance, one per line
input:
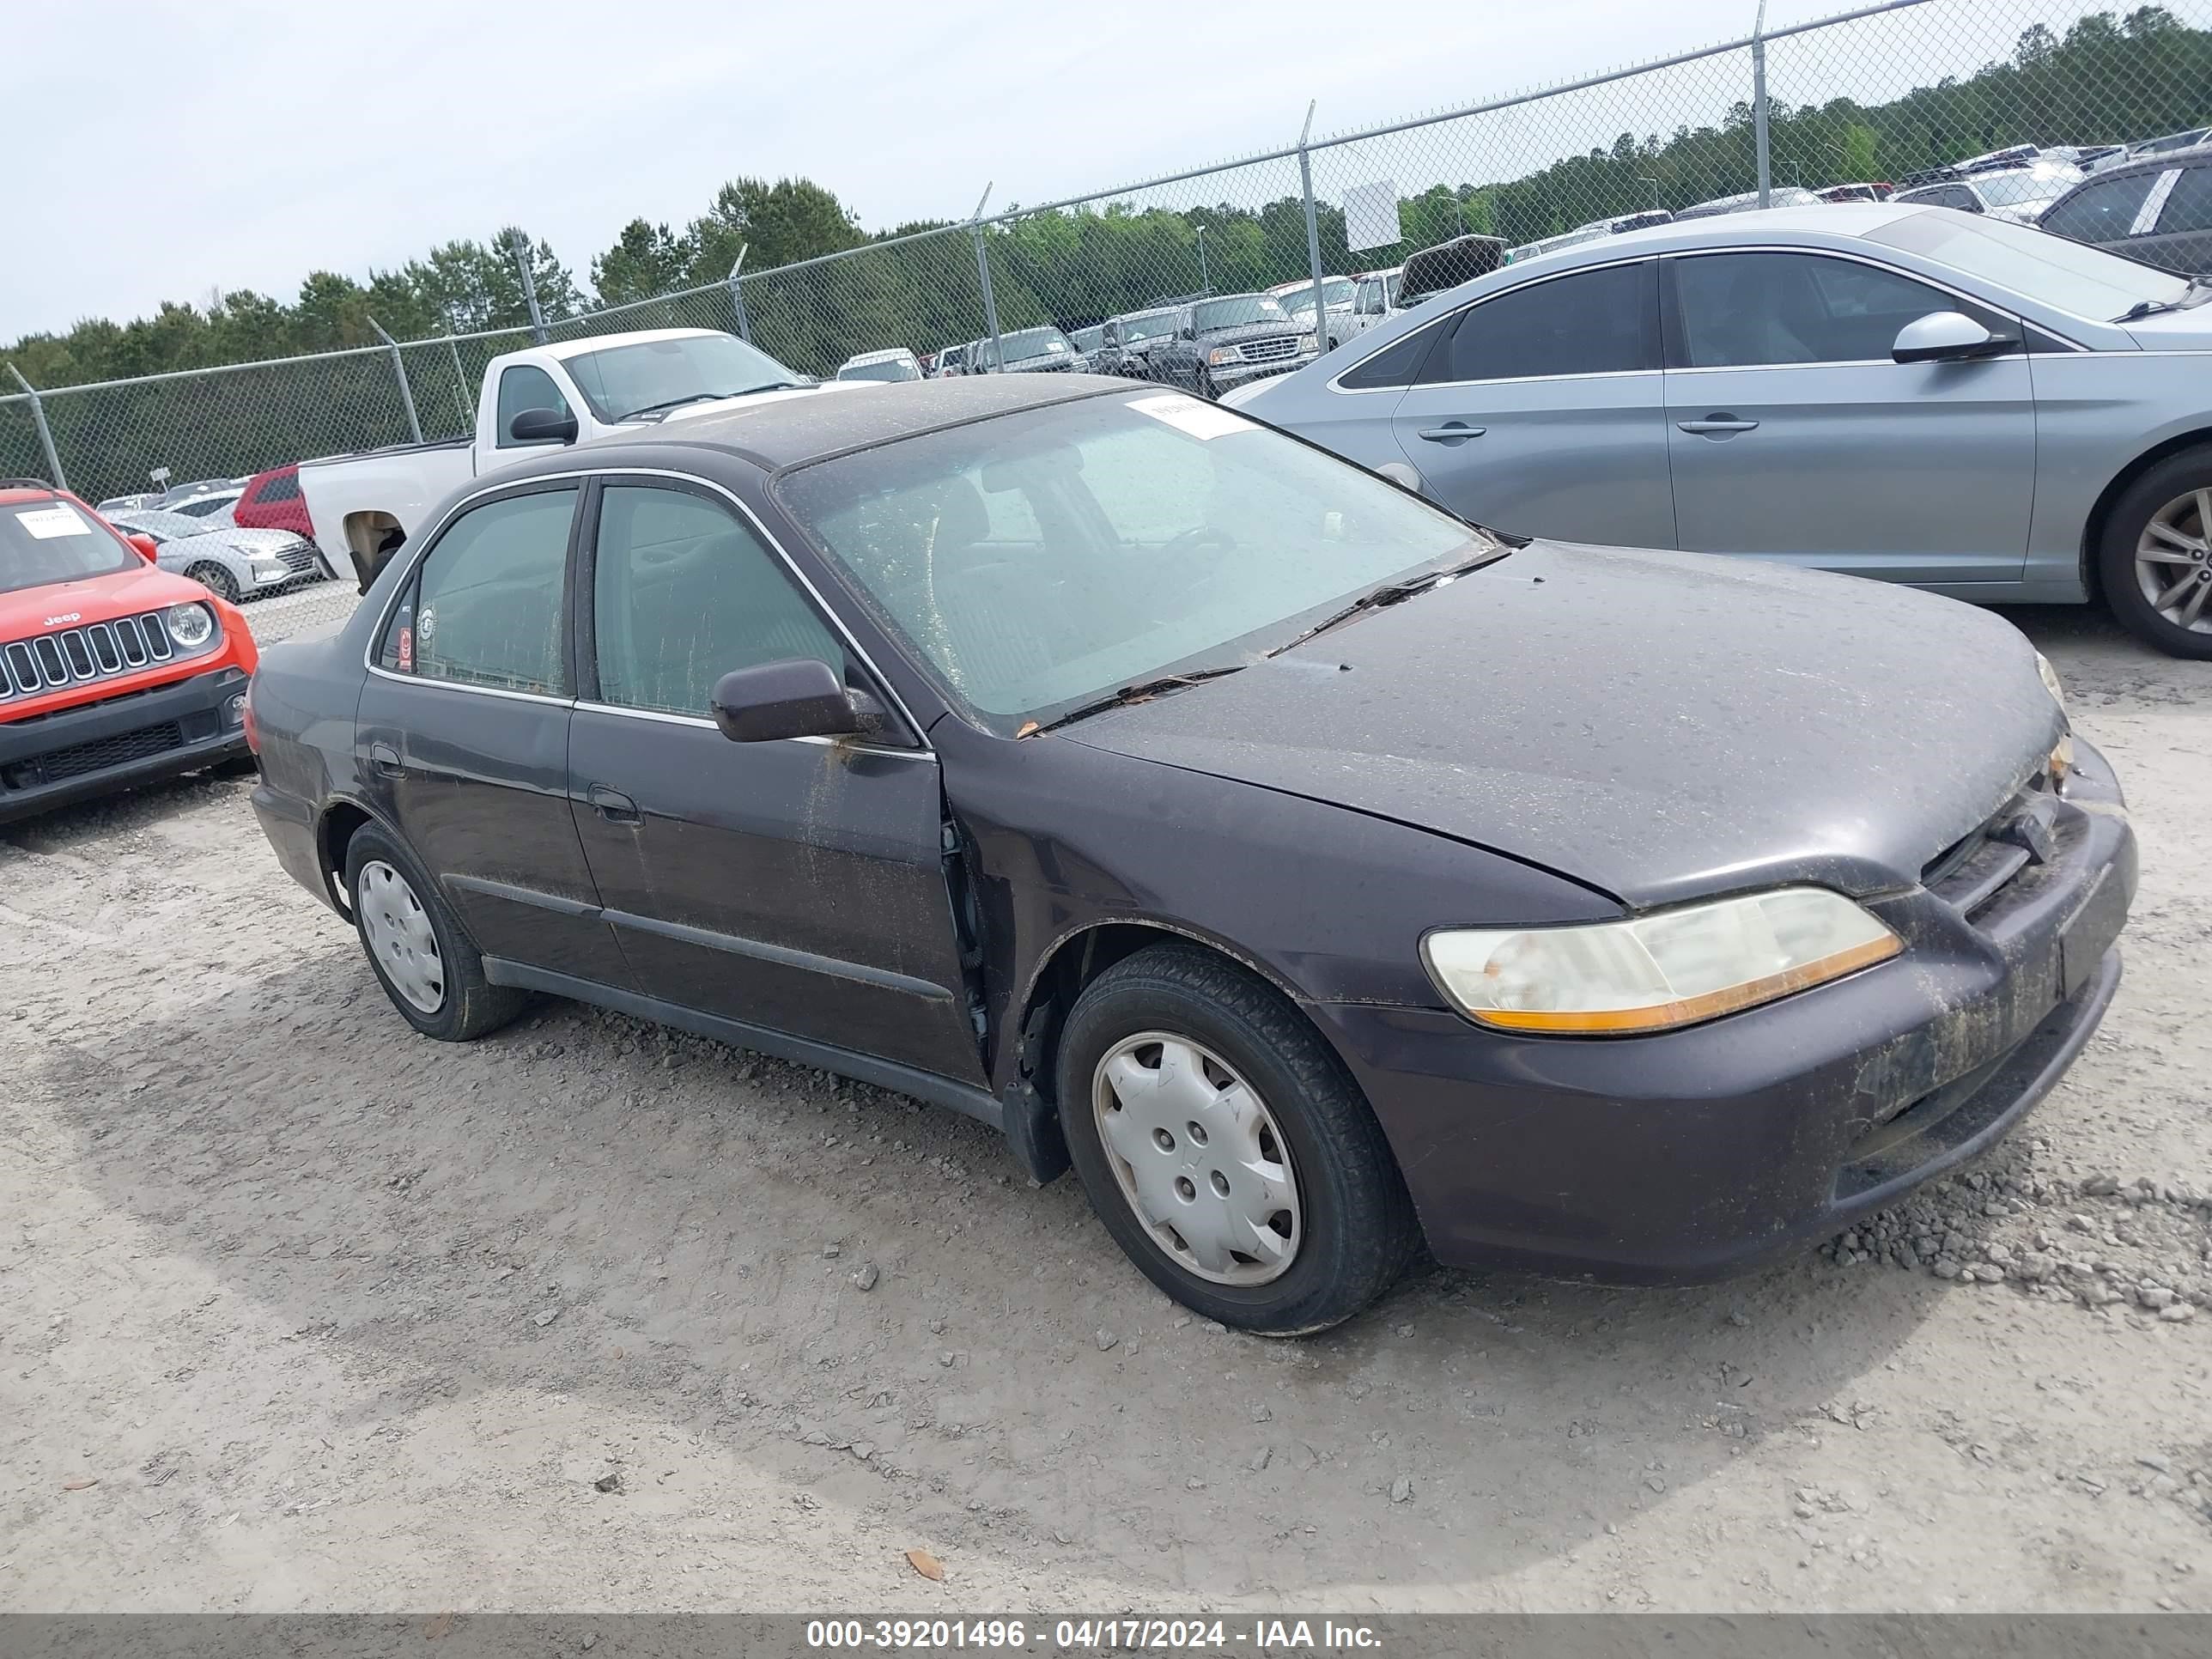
<point x="406" y="650"/>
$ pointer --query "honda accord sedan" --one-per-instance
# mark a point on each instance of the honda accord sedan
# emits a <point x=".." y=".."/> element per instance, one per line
<point x="1315" y="870"/>
<point x="1905" y="393"/>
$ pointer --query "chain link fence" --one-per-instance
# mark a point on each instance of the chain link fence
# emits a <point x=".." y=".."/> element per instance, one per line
<point x="1872" y="95"/>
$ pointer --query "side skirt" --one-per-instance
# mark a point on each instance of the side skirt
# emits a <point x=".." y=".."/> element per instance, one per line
<point x="862" y="1068"/>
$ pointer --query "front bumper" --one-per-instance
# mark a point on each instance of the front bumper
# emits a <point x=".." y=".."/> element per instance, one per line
<point x="1693" y="1154"/>
<point x="137" y="738"/>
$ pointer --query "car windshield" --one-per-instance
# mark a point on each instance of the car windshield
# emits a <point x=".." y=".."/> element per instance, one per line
<point x="1088" y="339"/>
<point x="206" y="505"/>
<point x="891" y="368"/>
<point x="1237" y="311"/>
<point x="1148" y="325"/>
<point x="1336" y="290"/>
<point x="1040" y="560"/>
<point x="52" y="541"/>
<point x="2011" y="188"/>
<point x="1024" y="343"/>
<point x="2076" y="278"/>
<point x="622" y="382"/>
<point x="161" y="524"/>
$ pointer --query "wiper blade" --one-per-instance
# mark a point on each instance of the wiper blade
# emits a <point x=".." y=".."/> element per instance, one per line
<point x="1144" y="691"/>
<point x="2200" y="284"/>
<point x="672" y="403"/>
<point x="1394" y="593"/>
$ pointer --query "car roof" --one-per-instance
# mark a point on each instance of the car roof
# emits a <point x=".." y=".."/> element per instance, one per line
<point x="889" y="355"/>
<point x="2188" y="156"/>
<point x="29" y="489"/>
<point x="792" y="431"/>
<point x="1847" y="220"/>
<point x="561" y="350"/>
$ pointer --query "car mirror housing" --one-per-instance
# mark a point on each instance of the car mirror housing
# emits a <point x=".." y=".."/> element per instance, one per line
<point x="540" y="426"/>
<point x="147" y="548"/>
<point x="796" y="697"/>
<point x="1944" y="337"/>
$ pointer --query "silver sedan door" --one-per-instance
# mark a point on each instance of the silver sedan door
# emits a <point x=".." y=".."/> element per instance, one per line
<point x="1795" y="436"/>
<point x="1542" y="411"/>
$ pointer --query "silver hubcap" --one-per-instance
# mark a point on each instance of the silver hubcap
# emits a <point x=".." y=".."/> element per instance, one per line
<point x="2173" y="563"/>
<point x="399" y="936"/>
<point x="1198" y="1157"/>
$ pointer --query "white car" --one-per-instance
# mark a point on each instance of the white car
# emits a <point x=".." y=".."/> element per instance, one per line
<point x="230" y="563"/>
<point x="2020" y="194"/>
<point x="1297" y="299"/>
<point x="897" y="363"/>
<point x="539" y="397"/>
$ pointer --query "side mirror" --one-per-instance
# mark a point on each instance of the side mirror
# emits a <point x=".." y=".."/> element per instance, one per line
<point x="542" y="426"/>
<point x="1946" y="337"/>
<point x="798" y="697"/>
<point x="148" y="550"/>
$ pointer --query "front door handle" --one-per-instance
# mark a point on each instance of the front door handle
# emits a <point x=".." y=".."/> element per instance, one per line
<point x="1717" y="426"/>
<point x="385" y="759"/>
<point x="1452" y="431"/>
<point x="612" y="804"/>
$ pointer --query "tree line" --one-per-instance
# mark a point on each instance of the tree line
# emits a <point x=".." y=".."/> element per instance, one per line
<point x="2108" y="78"/>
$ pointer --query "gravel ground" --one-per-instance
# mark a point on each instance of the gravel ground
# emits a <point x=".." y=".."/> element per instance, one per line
<point x="303" y="1312"/>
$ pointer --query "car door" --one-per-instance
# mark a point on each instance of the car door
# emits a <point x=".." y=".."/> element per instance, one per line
<point x="796" y="886"/>
<point x="1540" y="410"/>
<point x="2175" y="225"/>
<point x="1794" y="435"/>
<point x="462" y="730"/>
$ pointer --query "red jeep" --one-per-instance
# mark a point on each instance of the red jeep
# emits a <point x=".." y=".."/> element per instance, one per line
<point x="111" y="673"/>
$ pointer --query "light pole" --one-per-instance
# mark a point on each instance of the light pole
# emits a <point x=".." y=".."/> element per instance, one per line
<point x="1645" y="178"/>
<point x="1205" y="282"/>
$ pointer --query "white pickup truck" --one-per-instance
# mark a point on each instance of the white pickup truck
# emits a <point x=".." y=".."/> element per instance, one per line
<point x="369" y="503"/>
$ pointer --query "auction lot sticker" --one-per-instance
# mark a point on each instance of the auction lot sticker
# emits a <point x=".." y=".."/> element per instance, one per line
<point x="46" y="523"/>
<point x="1200" y="419"/>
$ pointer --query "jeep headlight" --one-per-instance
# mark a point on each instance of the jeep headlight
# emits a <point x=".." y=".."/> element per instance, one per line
<point x="1668" y="969"/>
<point x="191" y="626"/>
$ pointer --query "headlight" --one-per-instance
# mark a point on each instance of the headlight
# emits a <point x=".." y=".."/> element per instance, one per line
<point x="191" y="626"/>
<point x="1224" y="355"/>
<point x="1309" y="342"/>
<point x="1671" y="967"/>
<point x="2051" y="681"/>
<point x="2060" y="761"/>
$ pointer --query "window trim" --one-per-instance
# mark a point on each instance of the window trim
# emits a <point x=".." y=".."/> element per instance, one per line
<point x="1675" y="347"/>
<point x="1449" y="324"/>
<point x="584" y="477"/>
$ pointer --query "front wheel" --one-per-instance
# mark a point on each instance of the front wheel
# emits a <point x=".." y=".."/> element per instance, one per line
<point x="1225" y="1148"/>
<point x="217" y="581"/>
<point x="2154" y="559"/>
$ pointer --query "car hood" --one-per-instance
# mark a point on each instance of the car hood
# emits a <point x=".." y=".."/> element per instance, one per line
<point x="1658" y="725"/>
<point x="753" y="400"/>
<point x="95" y="599"/>
<point x="1250" y="331"/>
<point x="2174" y="331"/>
<point x="246" y="543"/>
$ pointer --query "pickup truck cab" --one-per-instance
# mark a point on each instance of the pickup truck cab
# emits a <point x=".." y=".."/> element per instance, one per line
<point x="366" y="506"/>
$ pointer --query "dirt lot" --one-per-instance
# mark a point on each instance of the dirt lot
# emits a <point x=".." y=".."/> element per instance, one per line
<point x="298" y="1311"/>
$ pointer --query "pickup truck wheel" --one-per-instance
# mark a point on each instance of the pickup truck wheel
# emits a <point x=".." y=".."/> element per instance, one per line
<point x="1225" y="1148"/>
<point x="2154" y="560"/>
<point x="217" y="581"/>
<point x="415" y="947"/>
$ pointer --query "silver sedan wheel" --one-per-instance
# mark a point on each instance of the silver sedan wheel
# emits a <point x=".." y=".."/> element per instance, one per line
<point x="1198" y="1157"/>
<point x="2173" y="561"/>
<point x="400" y="936"/>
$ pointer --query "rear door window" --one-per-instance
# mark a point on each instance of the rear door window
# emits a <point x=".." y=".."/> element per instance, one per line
<point x="2189" y="203"/>
<point x="1593" y="322"/>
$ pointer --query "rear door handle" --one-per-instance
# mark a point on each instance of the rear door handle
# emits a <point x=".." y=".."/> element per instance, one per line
<point x="1717" y="423"/>
<point x="385" y="759"/>
<point x="1451" y="431"/>
<point x="612" y="804"/>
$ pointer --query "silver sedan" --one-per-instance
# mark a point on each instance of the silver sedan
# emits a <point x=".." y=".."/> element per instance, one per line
<point x="1905" y="393"/>
<point x="227" y="562"/>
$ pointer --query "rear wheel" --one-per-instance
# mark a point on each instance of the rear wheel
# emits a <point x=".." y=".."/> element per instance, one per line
<point x="2155" y="561"/>
<point x="415" y="947"/>
<point x="1224" y="1147"/>
<point x="217" y="581"/>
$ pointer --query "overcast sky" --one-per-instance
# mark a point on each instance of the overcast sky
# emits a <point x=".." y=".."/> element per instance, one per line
<point x="163" y="150"/>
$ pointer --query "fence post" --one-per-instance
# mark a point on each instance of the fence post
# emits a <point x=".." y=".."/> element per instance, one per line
<point x="738" y="295"/>
<point x="39" y="420"/>
<point x="399" y="373"/>
<point x="1758" y="103"/>
<point x="983" y="276"/>
<point x="528" y="288"/>
<point x="1313" y="231"/>
<point x="460" y="381"/>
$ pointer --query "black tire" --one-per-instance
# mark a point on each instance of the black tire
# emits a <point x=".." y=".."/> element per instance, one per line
<point x="217" y="581"/>
<point x="1358" y="1229"/>
<point x="471" y="1006"/>
<point x="2170" y="481"/>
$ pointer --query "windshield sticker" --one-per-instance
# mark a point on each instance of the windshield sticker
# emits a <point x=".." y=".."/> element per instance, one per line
<point x="46" y="523"/>
<point x="1188" y="414"/>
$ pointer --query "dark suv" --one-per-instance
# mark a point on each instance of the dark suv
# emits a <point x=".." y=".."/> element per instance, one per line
<point x="2157" y="210"/>
<point x="1128" y="341"/>
<point x="1225" y="343"/>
